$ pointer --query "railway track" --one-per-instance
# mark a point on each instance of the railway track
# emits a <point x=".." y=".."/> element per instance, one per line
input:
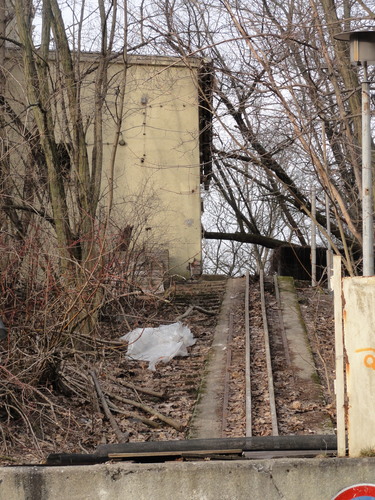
<point x="282" y="391"/>
<point x="268" y="377"/>
<point x="268" y="361"/>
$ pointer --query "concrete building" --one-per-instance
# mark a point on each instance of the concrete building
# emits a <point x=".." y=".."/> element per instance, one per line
<point x="164" y="148"/>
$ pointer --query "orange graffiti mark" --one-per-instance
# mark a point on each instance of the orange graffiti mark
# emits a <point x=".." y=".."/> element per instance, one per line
<point x="369" y="359"/>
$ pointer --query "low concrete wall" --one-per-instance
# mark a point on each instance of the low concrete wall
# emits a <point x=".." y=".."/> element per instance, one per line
<point x="295" y="479"/>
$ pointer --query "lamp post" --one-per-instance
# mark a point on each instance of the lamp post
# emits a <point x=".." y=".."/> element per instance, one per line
<point x="362" y="51"/>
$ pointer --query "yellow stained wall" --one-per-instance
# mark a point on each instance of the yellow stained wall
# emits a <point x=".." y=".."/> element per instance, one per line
<point x="157" y="164"/>
<point x="359" y="340"/>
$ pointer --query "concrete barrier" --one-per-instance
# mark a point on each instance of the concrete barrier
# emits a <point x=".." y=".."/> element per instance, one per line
<point x="288" y="479"/>
<point x="359" y="320"/>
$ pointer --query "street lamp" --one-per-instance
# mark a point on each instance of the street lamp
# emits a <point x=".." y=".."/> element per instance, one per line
<point x="362" y="51"/>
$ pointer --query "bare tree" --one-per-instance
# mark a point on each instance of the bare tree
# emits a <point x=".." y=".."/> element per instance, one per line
<point x="280" y="79"/>
<point x="47" y="116"/>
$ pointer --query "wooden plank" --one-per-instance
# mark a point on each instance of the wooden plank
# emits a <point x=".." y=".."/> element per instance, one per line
<point x="339" y="355"/>
<point x="287" y="453"/>
<point x="247" y="361"/>
<point x="175" y="453"/>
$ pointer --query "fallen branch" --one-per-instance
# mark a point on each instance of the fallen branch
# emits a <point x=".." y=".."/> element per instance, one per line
<point x="148" y="409"/>
<point x="135" y="416"/>
<point x="121" y="437"/>
<point x="190" y="309"/>
<point x="205" y="311"/>
<point x="149" y="392"/>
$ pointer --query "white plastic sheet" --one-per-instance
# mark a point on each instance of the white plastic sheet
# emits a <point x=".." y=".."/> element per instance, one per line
<point x="159" y="344"/>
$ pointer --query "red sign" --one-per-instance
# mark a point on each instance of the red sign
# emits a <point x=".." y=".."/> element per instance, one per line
<point x="358" y="491"/>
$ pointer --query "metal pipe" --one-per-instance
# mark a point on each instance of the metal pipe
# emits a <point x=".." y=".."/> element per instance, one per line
<point x="367" y="196"/>
<point x="293" y="442"/>
<point x="313" y="237"/>
<point x="328" y="218"/>
<point x="339" y="357"/>
<point x="329" y="246"/>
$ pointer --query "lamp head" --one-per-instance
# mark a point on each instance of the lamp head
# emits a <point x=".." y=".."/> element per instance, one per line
<point x="362" y="45"/>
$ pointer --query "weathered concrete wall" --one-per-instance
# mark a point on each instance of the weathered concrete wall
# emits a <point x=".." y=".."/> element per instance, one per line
<point x="359" y="320"/>
<point x="157" y="169"/>
<point x="296" y="479"/>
